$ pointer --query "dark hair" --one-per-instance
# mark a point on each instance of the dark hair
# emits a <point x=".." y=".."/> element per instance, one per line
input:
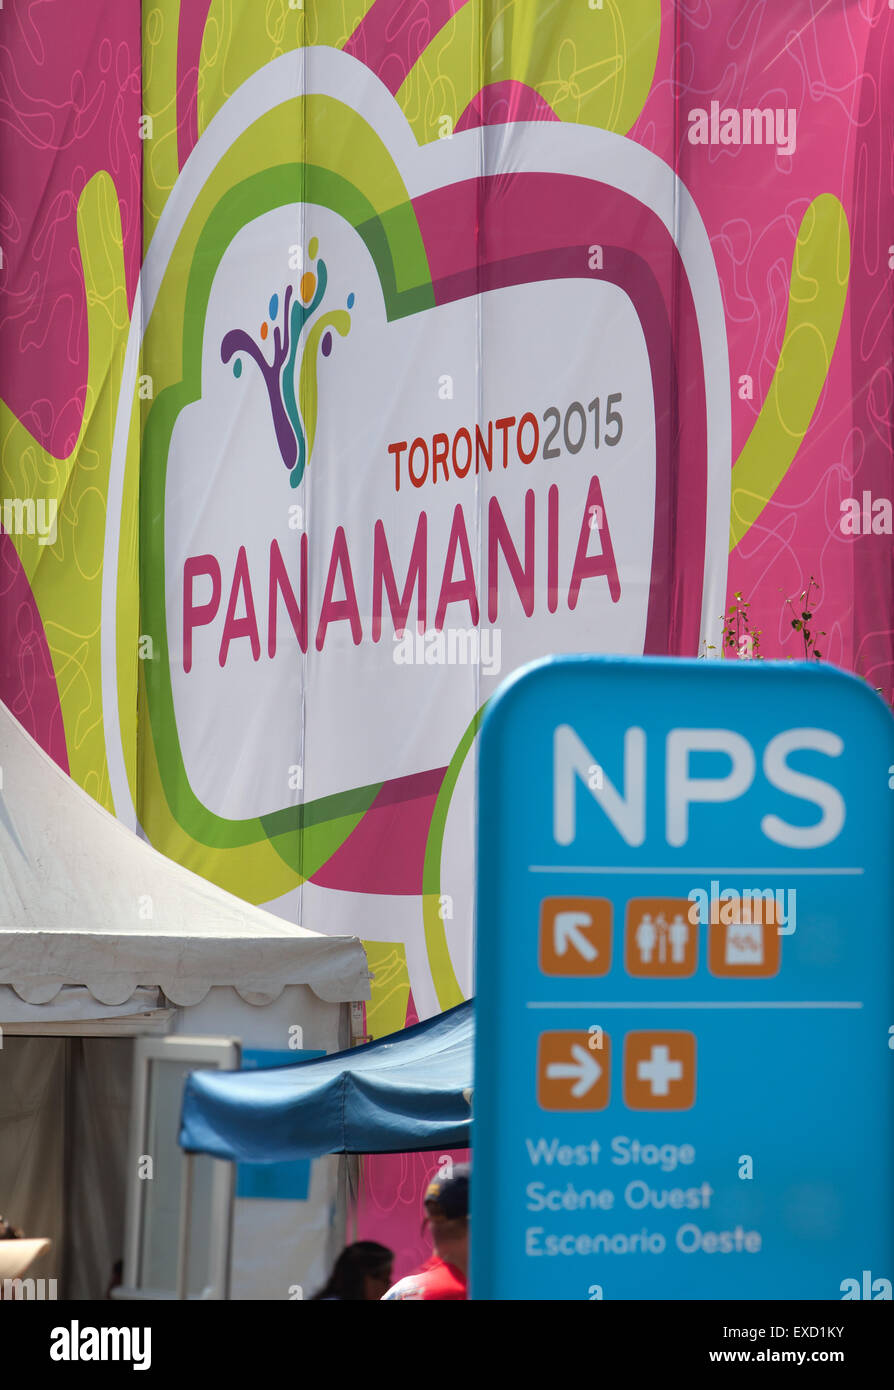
<point x="353" y="1264"/>
<point x="8" y="1231"/>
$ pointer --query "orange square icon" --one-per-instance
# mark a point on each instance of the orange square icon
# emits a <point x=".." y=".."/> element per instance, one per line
<point x="575" y="936"/>
<point x="659" y="1071"/>
<point x="661" y="937"/>
<point x="744" y="943"/>
<point x="573" y="1070"/>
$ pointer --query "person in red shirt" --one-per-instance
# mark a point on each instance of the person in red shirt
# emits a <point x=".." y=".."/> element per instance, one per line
<point x="444" y="1276"/>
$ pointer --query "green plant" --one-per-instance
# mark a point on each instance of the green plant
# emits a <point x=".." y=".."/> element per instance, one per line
<point x="742" y="640"/>
<point x="803" y="616"/>
<point x="738" y="633"/>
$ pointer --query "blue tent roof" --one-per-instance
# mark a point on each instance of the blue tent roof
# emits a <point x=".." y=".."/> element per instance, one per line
<point x="399" y="1094"/>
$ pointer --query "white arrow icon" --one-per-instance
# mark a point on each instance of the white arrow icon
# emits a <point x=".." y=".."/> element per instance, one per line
<point x="566" y="933"/>
<point x="584" y="1070"/>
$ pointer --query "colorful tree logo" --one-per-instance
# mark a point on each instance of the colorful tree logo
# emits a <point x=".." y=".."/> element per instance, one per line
<point x="294" y="414"/>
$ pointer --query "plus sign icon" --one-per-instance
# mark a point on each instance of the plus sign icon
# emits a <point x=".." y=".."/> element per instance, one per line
<point x="659" y="1070"/>
<point x="684" y="1075"/>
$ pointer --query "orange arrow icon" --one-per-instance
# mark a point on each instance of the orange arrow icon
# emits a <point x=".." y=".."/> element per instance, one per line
<point x="575" y="936"/>
<point x="570" y="1074"/>
<point x="566" y="932"/>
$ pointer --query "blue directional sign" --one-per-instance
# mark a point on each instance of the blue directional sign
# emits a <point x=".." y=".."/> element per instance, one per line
<point x="684" y="1064"/>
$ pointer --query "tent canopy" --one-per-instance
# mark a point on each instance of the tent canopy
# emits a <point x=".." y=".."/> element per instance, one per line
<point x="86" y="905"/>
<point x="407" y="1092"/>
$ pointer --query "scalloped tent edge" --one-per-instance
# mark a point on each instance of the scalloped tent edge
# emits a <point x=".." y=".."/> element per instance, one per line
<point x="85" y="902"/>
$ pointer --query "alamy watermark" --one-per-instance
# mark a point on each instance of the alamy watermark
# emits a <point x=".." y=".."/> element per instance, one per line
<point x="85" y="1343"/>
<point x="29" y="516"/>
<point x="752" y="126"/>
<point x="39" y="1289"/>
<point x="729" y="906"/>
<point x="452" y="646"/>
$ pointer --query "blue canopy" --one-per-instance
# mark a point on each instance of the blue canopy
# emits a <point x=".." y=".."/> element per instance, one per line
<point x="399" y="1094"/>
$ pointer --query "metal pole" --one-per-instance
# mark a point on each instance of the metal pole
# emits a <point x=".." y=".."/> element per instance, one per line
<point x="185" y="1227"/>
<point x="70" y="1223"/>
<point x="354" y="1195"/>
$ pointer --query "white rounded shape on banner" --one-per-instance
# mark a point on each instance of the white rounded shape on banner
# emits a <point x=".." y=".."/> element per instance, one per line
<point x="372" y="710"/>
<point x="369" y="716"/>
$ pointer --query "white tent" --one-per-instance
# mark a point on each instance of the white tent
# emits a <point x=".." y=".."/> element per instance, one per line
<point x="103" y="940"/>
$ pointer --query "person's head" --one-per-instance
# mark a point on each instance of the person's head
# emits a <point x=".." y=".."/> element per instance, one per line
<point x="362" y="1272"/>
<point x="446" y="1204"/>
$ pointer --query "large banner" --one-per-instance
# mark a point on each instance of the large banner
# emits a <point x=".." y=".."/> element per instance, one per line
<point x="355" y="353"/>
